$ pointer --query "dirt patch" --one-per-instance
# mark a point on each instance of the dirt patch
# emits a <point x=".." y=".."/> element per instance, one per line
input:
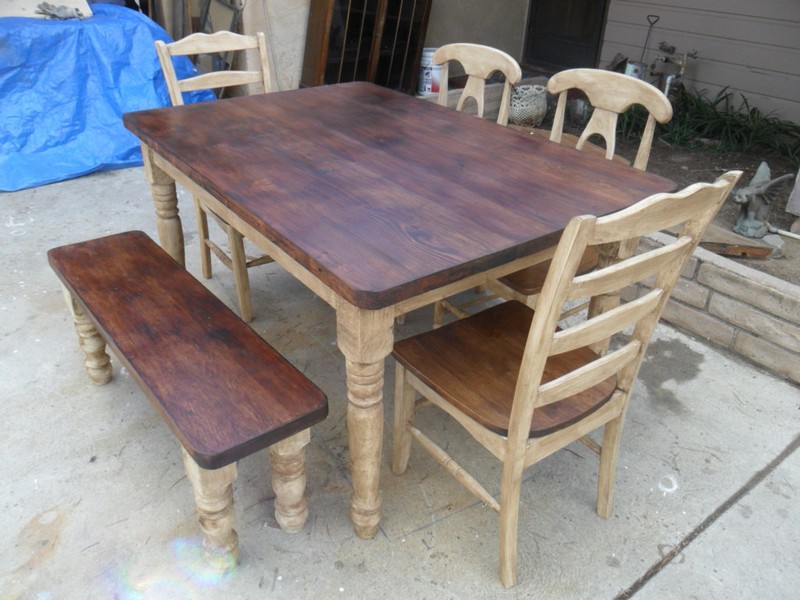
<point x="686" y="166"/>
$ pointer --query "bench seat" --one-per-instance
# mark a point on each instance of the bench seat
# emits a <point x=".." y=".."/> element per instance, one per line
<point x="224" y="392"/>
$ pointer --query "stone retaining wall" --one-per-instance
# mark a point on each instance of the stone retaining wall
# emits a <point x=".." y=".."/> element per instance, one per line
<point x="746" y="311"/>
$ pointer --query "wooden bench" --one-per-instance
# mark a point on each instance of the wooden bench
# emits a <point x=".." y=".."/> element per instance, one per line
<point x="223" y="391"/>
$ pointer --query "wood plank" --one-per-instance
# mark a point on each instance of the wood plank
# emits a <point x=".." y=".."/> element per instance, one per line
<point x="736" y="250"/>
<point x="224" y="391"/>
<point x="784" y="10"/>
<point x="761" y="28"/>
<point x="754" y="49"/>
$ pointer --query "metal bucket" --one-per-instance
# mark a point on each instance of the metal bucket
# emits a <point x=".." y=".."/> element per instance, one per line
<point x="636" y="69"/>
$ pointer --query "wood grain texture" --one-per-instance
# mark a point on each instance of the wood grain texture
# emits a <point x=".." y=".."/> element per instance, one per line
<point x="224" y="391"/>
<point x="380" y="195"/>
<point x="477" y="365"/>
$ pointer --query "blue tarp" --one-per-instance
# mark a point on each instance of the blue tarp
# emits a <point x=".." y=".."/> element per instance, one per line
<point x="64" y="86"/>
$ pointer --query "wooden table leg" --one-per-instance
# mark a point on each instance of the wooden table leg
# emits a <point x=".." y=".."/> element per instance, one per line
<point x="168" y="221"/>
<point x="365" y="338"/>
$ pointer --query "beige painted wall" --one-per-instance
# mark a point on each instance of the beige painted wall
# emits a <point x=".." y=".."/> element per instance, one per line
<point x="284" y="22"/>
<point x="497" y="23"/>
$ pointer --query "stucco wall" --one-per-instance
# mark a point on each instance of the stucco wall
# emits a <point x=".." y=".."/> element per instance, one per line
<point x="284" y="22"/>
<point x="497" y="23"/>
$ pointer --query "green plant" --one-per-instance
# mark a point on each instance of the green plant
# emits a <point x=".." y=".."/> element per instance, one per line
<point x="719" y="122"/>
<point x="630" y="123"/>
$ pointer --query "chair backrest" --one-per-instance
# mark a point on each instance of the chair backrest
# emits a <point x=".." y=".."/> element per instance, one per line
<point x="610" y="94"/>
<point x="219" y="42"/>
<point x="479" y="62"/>
<point x="616" y="238"/>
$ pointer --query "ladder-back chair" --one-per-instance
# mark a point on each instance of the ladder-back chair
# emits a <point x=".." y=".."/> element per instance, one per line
<point x="522" y="385"/>
<point x="226" y="43"/>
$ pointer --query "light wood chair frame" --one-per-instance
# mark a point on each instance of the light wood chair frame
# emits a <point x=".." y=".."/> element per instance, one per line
<point x="656" y="270"/>
<point x="479" y="62"/>
<point x="610" y="94"/>
<point x="261" y="81"/>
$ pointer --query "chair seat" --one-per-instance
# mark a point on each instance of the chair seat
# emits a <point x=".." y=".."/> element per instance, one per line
<point x="529" y="281"/>
<point x="474" y="363"/>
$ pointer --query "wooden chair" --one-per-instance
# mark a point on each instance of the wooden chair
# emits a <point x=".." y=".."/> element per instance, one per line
<point x="522" y="386"/>
<point x="610" y="94"/>
<point x="479" y="62"/>
<point x="228" y="43"/>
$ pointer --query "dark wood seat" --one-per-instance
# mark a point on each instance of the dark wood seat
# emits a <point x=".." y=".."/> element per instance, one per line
<point x="224" y="392"/>
<point x="475" y="359"/>
<point x="529" y="282"/>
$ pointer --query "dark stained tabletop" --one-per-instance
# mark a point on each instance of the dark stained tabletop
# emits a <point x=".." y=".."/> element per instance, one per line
<point x="381" y="195"/>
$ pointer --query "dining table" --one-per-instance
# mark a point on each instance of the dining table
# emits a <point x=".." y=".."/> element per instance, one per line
<point x="380" y="203"/>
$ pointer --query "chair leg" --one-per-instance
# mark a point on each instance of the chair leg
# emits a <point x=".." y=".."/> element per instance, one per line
<point x="404" y="398"/>
<point x="287" y="461"/>
<point x="240" y="277"/>
<point x="438" y="314"/>
<point x="509" y="518"/>
<point x="98" y="363"/>
<point x="202" y="229"/>
<point x="213" y="497"/>
<point x="608" y="461"/>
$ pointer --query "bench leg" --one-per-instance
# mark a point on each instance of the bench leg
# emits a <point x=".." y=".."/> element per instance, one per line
<point x="98" y="363"/>
<point x="213" y="497"/>
<point x="289" y="481"/>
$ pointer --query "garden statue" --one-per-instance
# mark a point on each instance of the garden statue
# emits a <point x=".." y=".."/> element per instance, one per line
<point x="756" y="200"/>
<point x="793" y="205"/>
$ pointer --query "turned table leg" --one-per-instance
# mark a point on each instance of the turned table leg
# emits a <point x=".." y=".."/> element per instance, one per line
<point x="168" y="221"/>
<point x="98" y="363"/>
<point x="365" y="338"/>
<point x="213" y="496"/>
<point x="289" y="481"/>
